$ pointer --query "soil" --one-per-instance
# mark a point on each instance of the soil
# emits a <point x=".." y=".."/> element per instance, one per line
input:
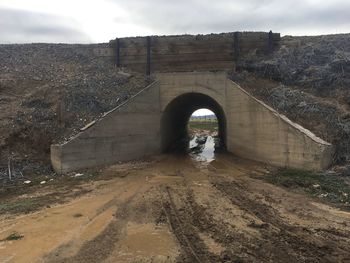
<point x="48" y="92"/>
<point x="175" y="208"/>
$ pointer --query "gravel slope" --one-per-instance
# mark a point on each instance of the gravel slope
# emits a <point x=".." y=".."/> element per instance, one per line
<point x="49" y="91"/>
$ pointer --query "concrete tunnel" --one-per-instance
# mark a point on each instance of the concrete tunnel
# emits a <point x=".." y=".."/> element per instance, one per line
<point x="178" y="112"/>
<point x="155" y="118"/>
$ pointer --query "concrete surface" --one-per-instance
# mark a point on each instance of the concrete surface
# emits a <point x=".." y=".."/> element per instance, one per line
<point x="156" y="117"/>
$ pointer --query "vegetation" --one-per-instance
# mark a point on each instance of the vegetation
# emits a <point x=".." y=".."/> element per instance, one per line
<point x="13" y="236"/>
<point x="21" y="206"/>
<point x="203" y="124"/>
<point x="331" y="188"/>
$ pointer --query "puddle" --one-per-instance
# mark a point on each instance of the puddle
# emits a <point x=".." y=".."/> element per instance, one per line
<point x="202" y="148"/>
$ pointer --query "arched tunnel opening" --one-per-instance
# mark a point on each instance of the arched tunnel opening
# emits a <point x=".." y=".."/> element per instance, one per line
<point x="177" y="114"/>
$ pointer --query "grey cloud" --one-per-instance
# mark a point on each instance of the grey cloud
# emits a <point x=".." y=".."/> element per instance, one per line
<point x="19" y="26"/>
<point x="186" y="16"/>
<point x="204" y="16"/>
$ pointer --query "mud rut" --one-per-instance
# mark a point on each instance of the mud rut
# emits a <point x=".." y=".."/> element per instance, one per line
<point x="180" y="208"/>
<point x="280" y="241"/>
<point x="224" y="215"/>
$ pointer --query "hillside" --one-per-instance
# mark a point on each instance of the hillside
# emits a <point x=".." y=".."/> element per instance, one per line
<point x="48" y="92"/>
<point x="308" y="80"/>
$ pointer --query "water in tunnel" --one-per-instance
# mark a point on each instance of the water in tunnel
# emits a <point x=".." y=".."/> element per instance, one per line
<point x="183" y="130"/>
<point x="203" y="134"/>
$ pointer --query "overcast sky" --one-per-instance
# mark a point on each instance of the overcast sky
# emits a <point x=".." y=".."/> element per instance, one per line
<point x="91" y="21"/>
<point x="203" y="112"/>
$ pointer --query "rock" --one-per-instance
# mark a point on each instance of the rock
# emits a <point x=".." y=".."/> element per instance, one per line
<point x="201" y="140"/>
<point x="43" y="182"/>
<point x="323" y="195"/>
<point x="27" y="182"/>
<point x="302" y="104"/>
<point x="124" y="74"/>
<point x="330" y="172"/>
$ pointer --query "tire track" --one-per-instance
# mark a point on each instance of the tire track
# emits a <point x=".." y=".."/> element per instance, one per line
<point x="282" y="239"/>
<point x="193" y="248"/>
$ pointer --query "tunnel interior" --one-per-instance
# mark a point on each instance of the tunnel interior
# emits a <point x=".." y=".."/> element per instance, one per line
<point x="177" y="114"/>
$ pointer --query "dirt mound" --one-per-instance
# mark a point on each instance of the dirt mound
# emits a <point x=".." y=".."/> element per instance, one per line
<point x="320" y="64"/>
<point x="50" y="91"/>
<point x="308" y="80"/>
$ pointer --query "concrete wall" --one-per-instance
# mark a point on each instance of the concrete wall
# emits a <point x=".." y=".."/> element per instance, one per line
<point x="256" y="131"/>
<point x="128" y="132"/>
<point x="253" y="130"/>
<point x="189" y="52"/>
<point x="172" y="85"/>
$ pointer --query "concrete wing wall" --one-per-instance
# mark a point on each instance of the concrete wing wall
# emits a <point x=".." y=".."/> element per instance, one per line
<point x="257" y="132"/>
<point x="130" y="131"/>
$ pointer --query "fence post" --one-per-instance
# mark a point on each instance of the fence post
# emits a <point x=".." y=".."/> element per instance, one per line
<point x="270" y="42"/>
<point x="9" y="169"/>
<point x="236" y="45"/>
<point x="117" y="52"/>
<point x="148" y="65"/>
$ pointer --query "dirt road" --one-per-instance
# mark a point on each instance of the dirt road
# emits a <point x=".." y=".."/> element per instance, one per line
<point x="178" y="209"/>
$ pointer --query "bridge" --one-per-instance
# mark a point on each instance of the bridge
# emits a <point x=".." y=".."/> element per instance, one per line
<point x="156" y="117"/>
<point x="190" y="73"/>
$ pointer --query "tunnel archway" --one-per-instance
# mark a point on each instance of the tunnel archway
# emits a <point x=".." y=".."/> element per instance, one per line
<point x="178" y="112"/>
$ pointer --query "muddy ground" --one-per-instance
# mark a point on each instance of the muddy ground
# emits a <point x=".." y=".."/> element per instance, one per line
<point x="175" y="208"/>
